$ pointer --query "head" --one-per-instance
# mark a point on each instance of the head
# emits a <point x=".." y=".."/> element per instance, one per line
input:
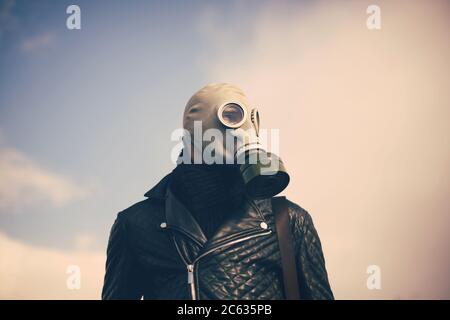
<point x="222" y="128"/>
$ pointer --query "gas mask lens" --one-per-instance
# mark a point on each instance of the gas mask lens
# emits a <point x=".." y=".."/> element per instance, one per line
<point x="231" y="115"/>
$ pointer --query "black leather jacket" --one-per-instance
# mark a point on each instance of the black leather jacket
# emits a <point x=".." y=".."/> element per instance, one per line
<point x="156" y="250"/>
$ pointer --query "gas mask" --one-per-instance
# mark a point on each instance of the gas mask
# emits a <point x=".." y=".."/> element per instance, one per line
<point x="221" y="128"/>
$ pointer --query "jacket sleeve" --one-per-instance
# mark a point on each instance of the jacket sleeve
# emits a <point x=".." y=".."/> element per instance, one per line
<point x="312" y="274"/>
<point x="121" y="277"/>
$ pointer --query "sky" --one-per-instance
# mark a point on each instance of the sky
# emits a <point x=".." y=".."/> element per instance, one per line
<point x="86" y="118"/>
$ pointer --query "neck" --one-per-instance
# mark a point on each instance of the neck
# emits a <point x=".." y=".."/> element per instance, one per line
<point x="210" y="192"/>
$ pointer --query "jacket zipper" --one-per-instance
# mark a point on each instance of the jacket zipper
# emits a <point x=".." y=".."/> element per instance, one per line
<point x="190" y="269"/>
<point x="191" y="266"/>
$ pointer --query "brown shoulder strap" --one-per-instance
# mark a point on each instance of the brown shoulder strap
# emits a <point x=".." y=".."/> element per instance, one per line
<point x="286" y="244"/>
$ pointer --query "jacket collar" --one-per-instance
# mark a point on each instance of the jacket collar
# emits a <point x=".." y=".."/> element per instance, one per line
<point x="248" y="219"/>
<point x="159" y="190"/>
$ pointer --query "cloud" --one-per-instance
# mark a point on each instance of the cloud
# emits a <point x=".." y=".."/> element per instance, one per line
<point x="37" y="42"/>
<point x="84" y="241"/>
<point x="11" y="23"/>
<point x="29" y="272"/>
<point x="24" y="183"/>
<point x="7" y="19"/>
<point x="363" y="118"/>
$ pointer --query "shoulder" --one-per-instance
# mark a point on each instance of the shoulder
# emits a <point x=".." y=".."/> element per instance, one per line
<point x="141" y="214"/>
<point x="299" y="217"/>
<point x="302" y="227"/>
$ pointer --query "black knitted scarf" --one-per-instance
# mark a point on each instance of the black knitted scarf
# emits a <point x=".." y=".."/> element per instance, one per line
<point x="209" y="192"/>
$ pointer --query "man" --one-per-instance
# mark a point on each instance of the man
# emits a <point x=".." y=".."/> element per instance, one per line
<point x="207" y="230"/>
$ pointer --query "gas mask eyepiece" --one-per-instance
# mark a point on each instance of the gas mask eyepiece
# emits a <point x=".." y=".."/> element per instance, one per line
<point x="232" y="115"/>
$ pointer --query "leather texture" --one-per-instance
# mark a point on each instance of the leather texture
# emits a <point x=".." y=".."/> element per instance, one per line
<point x="152" y="243"/>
